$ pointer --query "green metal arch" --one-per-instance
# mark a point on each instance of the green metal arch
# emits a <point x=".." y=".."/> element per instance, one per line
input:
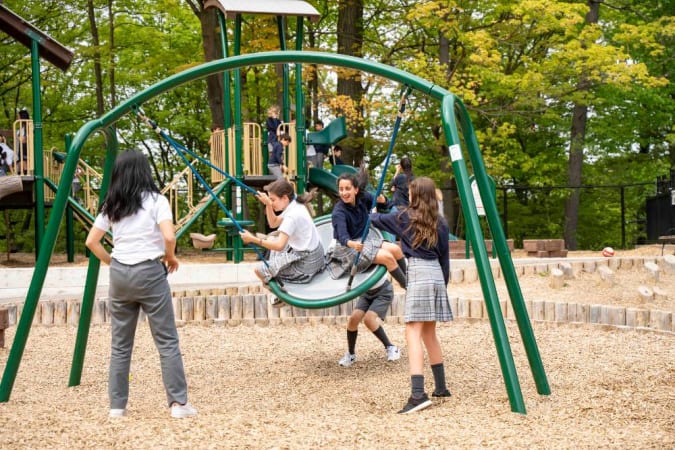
<point x="255" y="59"/>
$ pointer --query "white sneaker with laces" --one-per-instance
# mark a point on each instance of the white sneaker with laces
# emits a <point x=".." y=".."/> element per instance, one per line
<point x="393" y="353"/>
<point x="118" y="412"/>
<point x="182" y="411"/>
<point x="347" y="360"/>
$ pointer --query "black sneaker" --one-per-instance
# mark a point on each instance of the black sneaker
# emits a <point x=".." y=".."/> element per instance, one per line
<point x="416" y="404"/>
<point x="445" y="393"/>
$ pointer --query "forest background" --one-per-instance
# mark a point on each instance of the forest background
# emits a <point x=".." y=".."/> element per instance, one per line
<point x="569" y="99"/>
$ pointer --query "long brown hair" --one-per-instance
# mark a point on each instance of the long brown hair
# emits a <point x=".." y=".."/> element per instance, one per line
<point x="423" y="212"/>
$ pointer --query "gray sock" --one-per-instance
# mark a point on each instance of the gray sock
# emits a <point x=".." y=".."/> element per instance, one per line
<point x="417" y="385"/>
<point x="439" y="377"/>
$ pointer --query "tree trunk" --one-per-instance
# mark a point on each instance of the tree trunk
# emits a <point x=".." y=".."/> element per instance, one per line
<point x="350" y="42"/>
<point x="577" y="141"/>
<point x="111" y="69"/>
<point x="212" y="51"/>
<point x="100" y="107"/>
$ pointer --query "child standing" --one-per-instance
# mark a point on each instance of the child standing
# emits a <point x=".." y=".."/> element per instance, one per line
<point x="424" y="238"/>
<point x="349" y="217"/>
<point x="143" y="254"/>
<point x="276" y="164"/>
<point x="272" y="124"/>
<point x="372" y="304"/>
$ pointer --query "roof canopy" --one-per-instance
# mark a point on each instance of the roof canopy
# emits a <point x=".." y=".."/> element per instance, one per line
<point x="293" y="8"/>
<point x="25" y="33"/>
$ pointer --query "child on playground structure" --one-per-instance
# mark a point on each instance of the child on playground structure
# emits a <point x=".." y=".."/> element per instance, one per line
<point x="142" y="256"/>
<point x="424" y="238"/>
<point x="296" y="254"/>
<point x="272" y="124"/>
<point x="370" y="306"/>
<point x="350" y="217"/>
<point x="276" y="163"/>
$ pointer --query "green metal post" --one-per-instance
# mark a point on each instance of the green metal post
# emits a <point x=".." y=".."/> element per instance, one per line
<point x="37" y="144"/>
<point x="505" y="261"/>
<point x="87" y="305"/>
<point x="227" y="106"/>
<point x="480" y="254"/>
<point x="238" y="140"/>
<point x="70" y="223"/>
<point x="300" y="114"/>
<point x="281" y="25"/>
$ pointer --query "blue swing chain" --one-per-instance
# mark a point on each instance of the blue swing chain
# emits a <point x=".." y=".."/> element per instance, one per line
<point x="181" y="150"/>
<point x="380" y="185"/>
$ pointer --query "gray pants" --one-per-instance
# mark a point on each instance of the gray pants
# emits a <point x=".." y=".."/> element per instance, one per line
<point x="275" y="169"/>
<point x="145" y="286"/>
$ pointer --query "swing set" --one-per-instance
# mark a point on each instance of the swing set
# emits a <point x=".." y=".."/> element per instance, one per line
<point x="460" y="138"/>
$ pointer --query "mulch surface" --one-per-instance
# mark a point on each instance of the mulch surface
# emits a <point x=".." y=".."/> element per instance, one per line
<point x="281" y="387"/>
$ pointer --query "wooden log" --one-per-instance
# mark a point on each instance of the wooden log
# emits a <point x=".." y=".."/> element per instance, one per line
<point x="617" y="315"/>
<point x="626" y="263"/>
<point x="660" y="320"/>
<point x="188" y="309"/>
<point x="73" y="312"/>
<point x="583" y="313"/>
<point x="561" y="312"/>
<point x="645" y="294"/>
<point x="557" y="279"/>
<point x="463" y="308"/>
<point x="177" y="308"/>
<point x="496" y="272"/>
<point x="476" y="309"/>
<point x="224" y="307"/>
<point x="567" y="271"/>
<point x="211" y="307"/>
<point x="261" y="306"/>
<point x="541" y="268"/>
<point x="13" y="313"/>
<point x="549" y="311"/>
<point x="248" y="309"/>
<point x="606" y="275"/>
<point x="60" y="312"/>
<point x="653" y="270"/>
<point x="199" y="308"/>
<point x="595" y="315"/>
<point x="456" y="276"/>
<point x="589" y="266"/>
<point x="237" y="310"/>
<point x="470" y="275"/>
<point x="98" y="314"/>
<point x="669" y="263"/>
<point x="538" y="311"/>
<point x="4" y="324"/>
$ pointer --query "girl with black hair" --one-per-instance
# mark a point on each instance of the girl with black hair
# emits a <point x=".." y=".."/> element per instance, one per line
<point x="349" y="217"/>
<point x="143" y="254"/>
<point x="399" y="184"/>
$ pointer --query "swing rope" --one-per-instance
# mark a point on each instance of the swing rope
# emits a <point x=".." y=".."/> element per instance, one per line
<point x="380" y="185"/>
<point x="182" y="150"/>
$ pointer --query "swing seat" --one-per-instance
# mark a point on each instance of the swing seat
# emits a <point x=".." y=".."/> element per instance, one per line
<point x="201" y="242"/>
<point x="10" y="184"/>
<point x="323" y="291"/>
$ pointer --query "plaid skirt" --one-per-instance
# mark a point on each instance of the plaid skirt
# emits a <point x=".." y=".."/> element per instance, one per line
<point x="341" y="258"/>
<point x="293" y="266"/>
<point x="426" y="299"/>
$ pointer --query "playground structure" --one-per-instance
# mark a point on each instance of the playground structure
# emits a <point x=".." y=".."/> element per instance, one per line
<point x="458" y="131"/>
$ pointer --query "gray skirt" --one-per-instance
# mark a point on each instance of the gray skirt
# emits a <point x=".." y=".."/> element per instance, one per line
<point x="293" y="266"/>
<point x="426" y="299"/>
<point x="341" y="258"/>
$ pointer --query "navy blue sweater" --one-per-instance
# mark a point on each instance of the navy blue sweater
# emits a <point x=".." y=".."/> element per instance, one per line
<point x="350" y="220"/>
<point x="398" y="223"/>
<point x="277" y="156"/>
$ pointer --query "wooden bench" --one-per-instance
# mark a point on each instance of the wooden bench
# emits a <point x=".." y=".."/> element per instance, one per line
<point x="4" y="323"/>
<point x="664" y="240"/>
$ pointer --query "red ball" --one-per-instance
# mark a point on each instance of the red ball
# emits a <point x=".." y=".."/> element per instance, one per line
<point x="608" y="251"/>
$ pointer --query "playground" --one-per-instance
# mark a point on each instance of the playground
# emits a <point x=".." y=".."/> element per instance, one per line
<point x="279" y="385"/>
<point x="546" y="350"/>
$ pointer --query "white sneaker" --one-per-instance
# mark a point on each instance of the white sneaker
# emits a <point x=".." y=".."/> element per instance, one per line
<point x="182" y="411"/>
<point x="347" y="360"/>
<point x="393" y="353"/>
<point x="118" y="412"/>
